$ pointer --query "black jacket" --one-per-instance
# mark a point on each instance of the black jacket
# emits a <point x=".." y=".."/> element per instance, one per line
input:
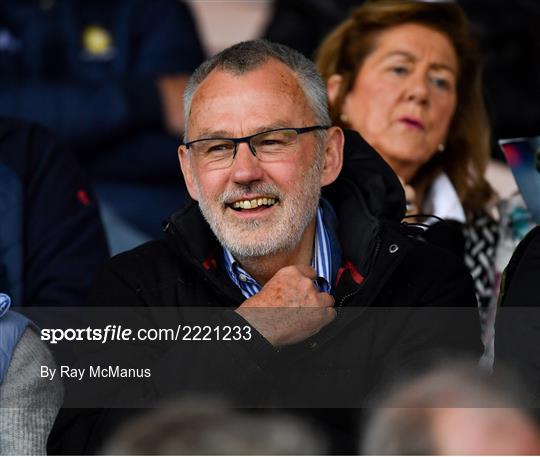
<point x="398" y="315"/>
<point x="518" y="319"/>
<point x="51" y="238"/>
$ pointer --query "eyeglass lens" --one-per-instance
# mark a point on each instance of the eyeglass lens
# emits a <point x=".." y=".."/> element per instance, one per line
<point x="267" y="146"/>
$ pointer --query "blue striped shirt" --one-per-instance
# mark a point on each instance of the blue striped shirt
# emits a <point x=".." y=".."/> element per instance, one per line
<point x="321" y="263"/>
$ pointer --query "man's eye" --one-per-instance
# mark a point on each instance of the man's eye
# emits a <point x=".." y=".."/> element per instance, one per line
<point x="220" y="147"/>
<point x="272" y="142"/>
<point x="275" y="140"/>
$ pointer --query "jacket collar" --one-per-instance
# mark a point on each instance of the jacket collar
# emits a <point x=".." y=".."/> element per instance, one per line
<point x="366" y="194"/>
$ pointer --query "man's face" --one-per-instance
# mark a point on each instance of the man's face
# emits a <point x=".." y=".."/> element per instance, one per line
<point x="283" y="195"/>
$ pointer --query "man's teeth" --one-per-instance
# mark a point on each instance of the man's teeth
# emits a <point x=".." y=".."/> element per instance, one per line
<point x="255" y="203"/>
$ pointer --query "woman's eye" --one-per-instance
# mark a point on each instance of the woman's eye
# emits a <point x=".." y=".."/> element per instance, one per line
<point x="399" y="70"/>
<point x="441" y="83"/>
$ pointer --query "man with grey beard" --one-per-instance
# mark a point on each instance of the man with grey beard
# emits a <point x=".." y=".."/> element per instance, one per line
<point x="327" y="293"/>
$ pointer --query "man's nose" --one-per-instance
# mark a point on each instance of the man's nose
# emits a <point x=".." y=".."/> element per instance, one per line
<point x="246" y="167"/>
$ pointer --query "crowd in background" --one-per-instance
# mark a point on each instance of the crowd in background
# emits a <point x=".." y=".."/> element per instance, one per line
<point x="106" y="78"/>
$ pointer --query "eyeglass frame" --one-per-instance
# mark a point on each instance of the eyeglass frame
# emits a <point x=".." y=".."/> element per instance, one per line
<point x="247" y="139"/>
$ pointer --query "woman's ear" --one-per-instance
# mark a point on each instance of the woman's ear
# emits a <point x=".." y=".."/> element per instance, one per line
<point x="333" y="85"/>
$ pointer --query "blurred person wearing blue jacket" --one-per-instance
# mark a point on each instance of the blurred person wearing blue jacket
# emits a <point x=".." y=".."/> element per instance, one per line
<point x="28" y="402"/>
<point x="108" y="77"/>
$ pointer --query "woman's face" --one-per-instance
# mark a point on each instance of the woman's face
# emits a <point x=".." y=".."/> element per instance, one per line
<point x="404" y="96"/>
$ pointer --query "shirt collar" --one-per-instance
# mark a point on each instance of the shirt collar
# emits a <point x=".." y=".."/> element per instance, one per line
<point x="443" y="201"/>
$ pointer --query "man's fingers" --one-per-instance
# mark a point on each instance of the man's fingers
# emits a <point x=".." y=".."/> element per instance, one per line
<point x="323" y="300"/>
<point x="332" y="313"/>
<point x="326" y="299"/>
<point x="329" y="315"/>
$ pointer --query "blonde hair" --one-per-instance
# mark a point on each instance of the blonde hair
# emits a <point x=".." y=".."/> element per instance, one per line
<point x="467" y="149"/>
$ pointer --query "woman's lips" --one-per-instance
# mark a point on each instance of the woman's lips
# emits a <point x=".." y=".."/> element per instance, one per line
<point x="412" y="123"/>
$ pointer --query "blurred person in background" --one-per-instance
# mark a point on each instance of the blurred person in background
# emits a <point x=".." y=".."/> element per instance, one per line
<point x="107" y="76"/>
<point x="303" y="24"/>
<point x="518" y="319"/>
<point x="510" y="41"/>
<point x="406" y="76"/>
<point x="28" y="403"/>
<point x="196" y="426"/>
<point x="453" y="409"/>
<point x="51" y="238"/>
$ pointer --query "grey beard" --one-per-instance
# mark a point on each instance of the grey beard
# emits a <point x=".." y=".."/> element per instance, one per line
<point x="283" y="235"/>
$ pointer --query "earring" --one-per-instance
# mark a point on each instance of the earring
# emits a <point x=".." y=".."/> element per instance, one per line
<point x="441" y="147"/>
<point x="344" y="118"/>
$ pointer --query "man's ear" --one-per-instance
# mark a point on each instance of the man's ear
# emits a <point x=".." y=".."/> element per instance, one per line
<point x="187" y="170"/>
<point x="333" y="155"/>
<point x="333" y="85"/>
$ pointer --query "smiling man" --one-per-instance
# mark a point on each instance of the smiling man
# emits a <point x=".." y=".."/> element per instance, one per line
<point x="327" y="290"/>
<point x="261" y="150"/>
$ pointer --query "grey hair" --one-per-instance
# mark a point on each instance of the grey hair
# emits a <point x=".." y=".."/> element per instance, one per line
<point x="402" y="423"/>
<point x="247" y="56"/>
<point x="197" y="426"/>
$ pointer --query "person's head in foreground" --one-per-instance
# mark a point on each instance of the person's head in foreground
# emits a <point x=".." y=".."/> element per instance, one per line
<point x="453" y="409"/>
<point x="406" y="76"/>
<point x="204" y="427"/>
<point x="258" y="148"/>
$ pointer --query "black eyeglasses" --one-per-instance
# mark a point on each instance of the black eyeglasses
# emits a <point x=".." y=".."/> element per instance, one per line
<point x="269" y="146"/>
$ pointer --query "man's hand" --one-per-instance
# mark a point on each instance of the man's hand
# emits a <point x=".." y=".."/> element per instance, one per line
<point x="289" y="308"/>
<point x="171" y="89"/>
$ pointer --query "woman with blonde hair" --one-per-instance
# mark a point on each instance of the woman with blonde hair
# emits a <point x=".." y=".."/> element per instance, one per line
<point x="406" y="75"/>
